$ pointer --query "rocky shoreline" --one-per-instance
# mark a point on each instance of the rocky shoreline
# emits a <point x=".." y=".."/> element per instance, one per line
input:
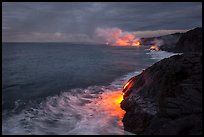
<point x="166" y="98"/>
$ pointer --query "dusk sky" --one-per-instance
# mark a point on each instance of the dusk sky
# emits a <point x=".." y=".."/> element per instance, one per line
<point x="77" y="22"/>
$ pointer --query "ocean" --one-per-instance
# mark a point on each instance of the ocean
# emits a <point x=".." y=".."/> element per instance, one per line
<point x="68" y="88"/>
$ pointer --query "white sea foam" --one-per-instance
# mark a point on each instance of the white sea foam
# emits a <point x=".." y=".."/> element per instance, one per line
<point x="91" y="111"/>
<point x="159" y="55"/>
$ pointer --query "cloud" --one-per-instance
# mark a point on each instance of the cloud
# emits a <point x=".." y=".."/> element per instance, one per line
<point x="85" y="17"/>
<point x="144" y="34"/>
<point x="46" y="37"/>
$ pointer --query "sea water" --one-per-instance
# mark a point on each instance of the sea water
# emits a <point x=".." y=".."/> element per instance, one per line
<point x="68" y="88"/>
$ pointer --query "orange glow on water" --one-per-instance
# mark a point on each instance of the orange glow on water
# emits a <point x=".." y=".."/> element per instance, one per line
<point x="110" y="102"/>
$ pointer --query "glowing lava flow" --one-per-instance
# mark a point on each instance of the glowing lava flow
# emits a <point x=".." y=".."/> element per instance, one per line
<point x="126" y="84"/>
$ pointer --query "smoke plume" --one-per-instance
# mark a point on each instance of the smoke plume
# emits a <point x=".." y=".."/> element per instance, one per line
<point x="158" y="42"/>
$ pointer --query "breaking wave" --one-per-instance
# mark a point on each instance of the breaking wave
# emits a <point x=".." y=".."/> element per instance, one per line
<point x="158" y="55"/>
<point x="91" y="111"/>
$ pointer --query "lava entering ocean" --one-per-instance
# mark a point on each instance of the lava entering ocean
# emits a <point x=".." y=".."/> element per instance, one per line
<point x="154" y="47"/>
<point x="116" y="37"/>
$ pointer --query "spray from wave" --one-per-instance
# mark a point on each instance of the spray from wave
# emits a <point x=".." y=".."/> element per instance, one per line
<point x="92" y="111"/>
<point x="117" y="37"/>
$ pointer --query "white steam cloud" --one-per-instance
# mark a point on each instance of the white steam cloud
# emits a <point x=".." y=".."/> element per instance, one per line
<point x="117" y="37"/>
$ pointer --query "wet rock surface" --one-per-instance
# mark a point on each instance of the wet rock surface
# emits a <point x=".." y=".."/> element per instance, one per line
<point x="166" y="98"/>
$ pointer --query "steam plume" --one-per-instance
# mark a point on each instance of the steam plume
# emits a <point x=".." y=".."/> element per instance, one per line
<point x="116" y="37"/>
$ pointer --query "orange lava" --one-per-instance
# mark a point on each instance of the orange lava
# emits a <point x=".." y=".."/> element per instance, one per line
<point x="154" y="48"/>
<point x="126" y="84"/>
<point x="137" y="44"/>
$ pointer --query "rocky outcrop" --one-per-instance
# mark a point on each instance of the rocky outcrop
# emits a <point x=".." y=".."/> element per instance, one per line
<point x="166" y="98"/>
<point x="191" y="41"/>
<point x="168" y="41"/>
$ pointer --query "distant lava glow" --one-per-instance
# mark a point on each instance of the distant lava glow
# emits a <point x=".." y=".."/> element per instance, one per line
<point x="156" y="44"/>
<point x="154" y="47"/>
<point x="137" y="44"/>
<point x="116" y="37"/>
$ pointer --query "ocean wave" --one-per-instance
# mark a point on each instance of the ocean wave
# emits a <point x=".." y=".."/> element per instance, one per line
<point x="159" y="55"/>
<point x="91" y="111"/>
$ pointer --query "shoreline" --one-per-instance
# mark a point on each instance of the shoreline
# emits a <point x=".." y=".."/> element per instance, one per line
<point x="166" y="98"/>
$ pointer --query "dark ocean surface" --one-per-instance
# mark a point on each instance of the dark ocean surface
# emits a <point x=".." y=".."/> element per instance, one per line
<point x="66" y="88"/>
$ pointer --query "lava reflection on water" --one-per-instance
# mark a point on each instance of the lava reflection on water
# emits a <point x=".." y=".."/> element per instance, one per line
<point x="110" y="103"/>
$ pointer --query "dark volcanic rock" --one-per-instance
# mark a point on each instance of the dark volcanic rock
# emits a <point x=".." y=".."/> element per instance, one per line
<point x="191" y="41"/>
<point x="168" y="41"/>
<point x="166" y="98"/>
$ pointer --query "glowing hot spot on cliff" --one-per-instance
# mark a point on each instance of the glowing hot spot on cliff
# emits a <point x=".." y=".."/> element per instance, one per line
<point x="126" y="85"/>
